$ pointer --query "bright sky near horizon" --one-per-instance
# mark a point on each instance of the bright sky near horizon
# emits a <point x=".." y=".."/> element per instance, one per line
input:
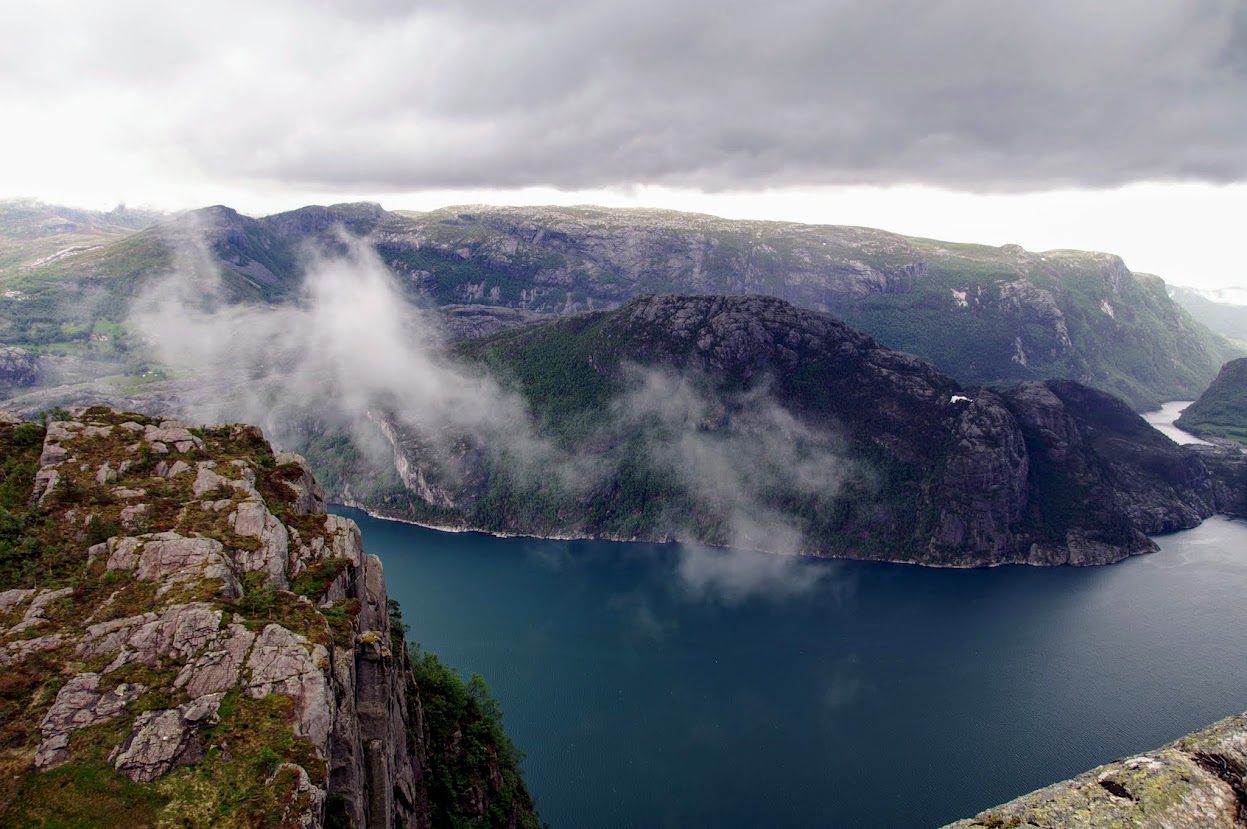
<point x="1112" y="126"/>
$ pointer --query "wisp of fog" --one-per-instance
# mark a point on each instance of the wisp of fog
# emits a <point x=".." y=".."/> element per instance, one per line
<point x="351" y="352"/>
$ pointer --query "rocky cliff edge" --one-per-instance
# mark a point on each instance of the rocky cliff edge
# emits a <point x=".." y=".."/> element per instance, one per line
<point x="200" y="644"/>
<point x="1197" y="782"/>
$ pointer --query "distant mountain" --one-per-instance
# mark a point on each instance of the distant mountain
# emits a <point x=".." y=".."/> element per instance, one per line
<point x="983" y="314"/>
<point x="1224" y="311"/>
<point x="1221" y="411"/>
<point x="33" y="219"/>
<point x="749" y="422"/>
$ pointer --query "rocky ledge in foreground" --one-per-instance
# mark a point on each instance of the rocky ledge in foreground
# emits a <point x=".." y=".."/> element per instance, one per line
<point x="1198" y="782"/>
<point x="188" y="639"/>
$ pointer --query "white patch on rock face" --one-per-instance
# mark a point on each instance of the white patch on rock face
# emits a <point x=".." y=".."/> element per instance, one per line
<point x="959" y="297"/>
<point x="166" y="470"/>
<point x="106" y="474"/>
<point x="170" y="559"/>
<point x="17" y="651"/>
<point x="253" y="519"/>
<point x="309" y="496"/>
<point x="959" y="398"/>
<point x="156" y="740"/>
<point x="171" y="431"/>
<point x="45" y="482"/>
<point x="207" y="480"/>
<point x="1107" y="308"/>
<point x="35" y="613"/>
<point x="130" y="515"/>
<point x="10" y="599"/>
<point x="308" y="800"/>
<point x="1019" y="353"/>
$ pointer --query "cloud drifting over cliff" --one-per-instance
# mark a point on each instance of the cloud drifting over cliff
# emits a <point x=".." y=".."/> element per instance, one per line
<point x="386" y="96"/>
<point x="350" y="346"/>
<point x="352" y="353"/>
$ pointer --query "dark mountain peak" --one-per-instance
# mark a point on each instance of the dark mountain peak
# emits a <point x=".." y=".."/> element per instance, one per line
<point x="746" y="337"/>
<point x="708" y="318"/>
<point x="357" y="217"/>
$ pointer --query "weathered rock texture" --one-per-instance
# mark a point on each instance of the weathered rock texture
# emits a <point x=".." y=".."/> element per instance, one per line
<point x="220" y="638"/>
<point x="18" y="368"/>
<point x="1198" y="782"/>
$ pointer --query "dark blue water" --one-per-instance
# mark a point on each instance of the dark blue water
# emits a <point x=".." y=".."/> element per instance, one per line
<point x="655" y="686"/>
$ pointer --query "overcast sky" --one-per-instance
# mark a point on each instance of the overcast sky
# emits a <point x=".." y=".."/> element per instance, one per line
<point x="1110" y="124"/>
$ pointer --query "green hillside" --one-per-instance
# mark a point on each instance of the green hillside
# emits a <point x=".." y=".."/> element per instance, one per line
<point x="1221" y="411"/>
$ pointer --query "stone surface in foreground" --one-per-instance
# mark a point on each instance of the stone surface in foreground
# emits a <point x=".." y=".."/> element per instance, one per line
<point x="1197" y="782"/>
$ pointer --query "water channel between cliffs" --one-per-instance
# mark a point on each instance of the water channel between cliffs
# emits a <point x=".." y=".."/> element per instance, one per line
<point x="668" y="686"/>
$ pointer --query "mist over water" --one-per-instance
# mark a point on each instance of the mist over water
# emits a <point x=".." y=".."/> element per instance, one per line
<point x="859" y="695"/>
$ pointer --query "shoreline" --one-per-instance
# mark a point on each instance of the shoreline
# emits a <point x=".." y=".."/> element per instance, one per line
<point x="353" y="504"/>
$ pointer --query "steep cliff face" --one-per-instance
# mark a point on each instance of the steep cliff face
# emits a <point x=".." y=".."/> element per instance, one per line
<point x="187" y="638"/>
<point x="662" y="399"/>
<point x="1197" y="782"/>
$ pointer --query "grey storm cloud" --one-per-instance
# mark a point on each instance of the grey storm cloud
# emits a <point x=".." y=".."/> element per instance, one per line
<point x="386" y="95"/>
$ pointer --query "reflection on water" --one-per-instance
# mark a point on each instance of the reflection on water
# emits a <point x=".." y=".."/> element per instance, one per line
<point x="653" y="686"/>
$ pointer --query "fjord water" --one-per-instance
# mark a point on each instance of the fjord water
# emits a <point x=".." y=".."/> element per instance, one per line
<point x="659" y="686"/>
<point x="1163" y="421"/>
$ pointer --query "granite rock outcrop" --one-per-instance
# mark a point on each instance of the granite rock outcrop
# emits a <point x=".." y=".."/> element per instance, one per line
<point x="1197" y="782"/>
<point x="219" y="638"/>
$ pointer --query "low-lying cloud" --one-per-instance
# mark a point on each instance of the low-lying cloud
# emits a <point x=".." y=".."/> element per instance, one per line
<point x="352" y="356"/>
<point x="733" y="576"/>
<point x="732" y="458"/>
<point x="351" y="345"/>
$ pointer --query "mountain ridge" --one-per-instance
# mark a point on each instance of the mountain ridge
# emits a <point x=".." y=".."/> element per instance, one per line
<point x="983" y="314"/>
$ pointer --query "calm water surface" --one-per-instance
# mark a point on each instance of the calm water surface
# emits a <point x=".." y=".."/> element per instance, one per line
<point x="660" y="686"/>
<point x="1162" y="420"/>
